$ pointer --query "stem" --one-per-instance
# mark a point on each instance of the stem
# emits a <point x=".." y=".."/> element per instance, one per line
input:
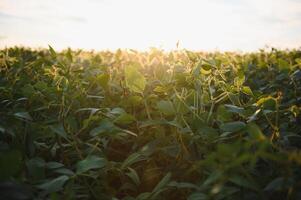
<point x="146" y="108"/>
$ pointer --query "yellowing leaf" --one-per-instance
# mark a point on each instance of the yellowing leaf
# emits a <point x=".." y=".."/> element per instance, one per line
<point x="247" y="90"/>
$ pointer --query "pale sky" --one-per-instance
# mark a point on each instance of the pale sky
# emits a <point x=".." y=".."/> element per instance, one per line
<point x="245" y="25"/>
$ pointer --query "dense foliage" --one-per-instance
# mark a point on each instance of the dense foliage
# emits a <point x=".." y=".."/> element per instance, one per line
<point x="150" y="125"/>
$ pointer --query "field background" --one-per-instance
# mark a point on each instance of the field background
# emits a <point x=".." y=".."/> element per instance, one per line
<point x="150" y="125"/>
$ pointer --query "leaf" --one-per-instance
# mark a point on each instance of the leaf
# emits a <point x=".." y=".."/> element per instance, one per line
<point x="255" y="132"/>
<point x="233" y="126"/>
<point x="103" y="80"/>
<point x="239" y="80"/>
<point x="247" y="90"/>
<point x="223" y="114"/>
<point x="64" y="171"/>
<point x="92" y="110"/>
<point x="54" y="165"/>
<point x="181" y="185"/>
<point x="36" y="168"/>
<point x="117" y="111"/>
<point x="283" y="65"/>
<point x="144" y="196"/>
<point x="134" y="176"/>
<point x="204" y="71"/>
<point x="91" y="162"/>
<point x="28" y="90"/>
<point x="124" y="119"/>
<point x="267" y="102"/>
<point x="10" y="163"/>
<point x="52" y="52"/>
<point x="205" y="68"/>
<point x="235" y="109"/>
<point x="135" y="81"/>
<point x="104" y="126"/>
<point x="197" y="196"/>
<point x="227" y="192"/>
<point x="159" y="122"/>
<point x="234" y="98"/>
<point x="69" y="55"/>
<point x="213" y="177"/>
<point x="59" y="130"/>
<point x="243" y="182"/>
<point x="54" y="185"/>
<point x="164" y="182"/>
<point x="166" y="107"/>
<point x="133" y="158"/>
<point x="279" y="184"/>
<point x="23" y="115"/>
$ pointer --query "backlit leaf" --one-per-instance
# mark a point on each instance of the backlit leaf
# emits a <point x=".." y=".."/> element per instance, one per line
<point x="135" y="81"/>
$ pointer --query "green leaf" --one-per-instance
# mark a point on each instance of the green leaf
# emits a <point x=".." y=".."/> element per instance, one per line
<point x="91" y="162"/>
<point x="64" y="171"/>
<point x="135" y="81"/>
<point x="105" y="126"/>
<point x="124" y="119"/>
<point x="283" y="65"/>
<point x="223" y="114"/>
<point x="36" y="168"/>
<point x="213" y="177"/>
<point x="144" y="196"/>
<point x="197" y="196"/>
<point x="166" y="107"/>
<point x="117" y="111"/>
<point x="234" y="98"/>
<point x="160" y="122"/>
<point x="228" y="192"/>
<point x="52" y="52"/>
<point x="103" y="80"/>
<point x="23" y="115"/>
<point x="59" y="130"/>
<point x="54" y="165"/>
<point x="54" y="185"/>
<point x="133" y="158"/>
<point x="28" y="90"/>
<point x="69" y="55"/>
<point x="182" y="185"/>
<point x="279" y="184"/>
<point x="239" y="80"/>
<point x="133" y="176"/>
<point x="161" y="185"/>
<point x="243" y="182"/>
<point x="235" y="109"/>
<point x="10" y="163"/>
<point x="255" y="132"/>
<point x="233" y="126"/>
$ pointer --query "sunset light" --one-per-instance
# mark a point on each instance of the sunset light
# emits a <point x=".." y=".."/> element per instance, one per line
<point x="139" y="24"/>
<point x="150" y="99"/>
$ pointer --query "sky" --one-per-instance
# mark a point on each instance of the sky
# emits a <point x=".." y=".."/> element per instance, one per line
<point x="224" y="25"/>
